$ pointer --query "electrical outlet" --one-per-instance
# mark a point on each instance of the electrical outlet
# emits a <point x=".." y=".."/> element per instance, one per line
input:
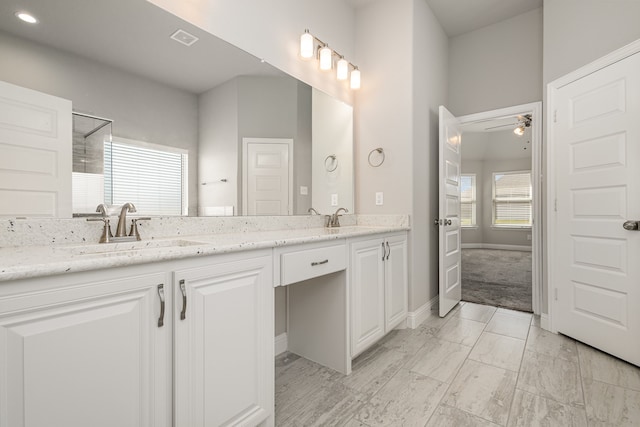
<point x="304" y="191"/>
<point x="334" y="200"/>
<point x="379" y="198"/>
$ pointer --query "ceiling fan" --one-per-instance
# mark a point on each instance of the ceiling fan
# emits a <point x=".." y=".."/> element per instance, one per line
<point x="522" y="123"/>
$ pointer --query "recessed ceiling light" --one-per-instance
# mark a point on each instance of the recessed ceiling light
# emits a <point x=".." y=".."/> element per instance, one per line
<point x="24" y="16"/>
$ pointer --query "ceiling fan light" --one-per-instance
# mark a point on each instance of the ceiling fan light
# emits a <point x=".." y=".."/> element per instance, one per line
<point x="519" y="130"/>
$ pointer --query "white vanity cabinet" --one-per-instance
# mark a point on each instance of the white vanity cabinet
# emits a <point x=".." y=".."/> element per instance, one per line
<point x="379" y="286"/>
<point x="77" y="353"/>
<point x="223" y="356"/>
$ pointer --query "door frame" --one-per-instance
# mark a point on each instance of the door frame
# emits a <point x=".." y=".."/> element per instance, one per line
<point x="245" y="159"/>
<point x="535" y="109"/>
<point x="552" y="88"/>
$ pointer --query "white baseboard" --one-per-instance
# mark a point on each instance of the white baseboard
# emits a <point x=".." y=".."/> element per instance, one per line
<point x="415" y="318"/>
<point x="494" y="246"/>
<point x="281" y="343"/>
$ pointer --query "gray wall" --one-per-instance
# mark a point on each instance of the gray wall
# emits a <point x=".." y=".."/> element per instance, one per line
<point x="397" y="111"/>
<point x="497" y="66"/>
<point x="141" y="109"/>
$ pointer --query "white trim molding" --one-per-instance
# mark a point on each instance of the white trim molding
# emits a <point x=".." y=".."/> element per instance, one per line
<point x="281" y="343"/>
<point x="495" y="246"/>
<point x="415" y="318"/>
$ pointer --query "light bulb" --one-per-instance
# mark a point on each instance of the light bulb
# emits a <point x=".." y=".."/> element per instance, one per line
<point x="326" y="58"/>
<point x="26" y="17"/>
<point x="342" y="69"/>
<point x="355" y="79"/>
<point x="306" y="45"/>
<point x="519" y="130"/>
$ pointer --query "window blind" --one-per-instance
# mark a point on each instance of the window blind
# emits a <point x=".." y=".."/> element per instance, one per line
<point x="468" y="200"/>
<point x="153" y="180"/>
<point x="512" y="199"/>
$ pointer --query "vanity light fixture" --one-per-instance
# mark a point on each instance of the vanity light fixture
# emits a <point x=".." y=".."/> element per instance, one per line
<point x="311" y="46"/>
<point x="342" y="69"/>
<point x="26" y="17"/>
<point x="326" y="58"/>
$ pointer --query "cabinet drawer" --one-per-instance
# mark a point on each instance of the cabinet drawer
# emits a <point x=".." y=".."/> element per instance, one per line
<point x="306" y="264"/>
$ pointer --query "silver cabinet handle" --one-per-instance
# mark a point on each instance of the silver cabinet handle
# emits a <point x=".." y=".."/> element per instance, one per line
<point x="183" y="313"/>
<point x="388" y="250"/>
<point x="313" y="264"/>
<point x="631" y="225"/>
<point x="384" y="251"/>
<point x="161" y="295"/>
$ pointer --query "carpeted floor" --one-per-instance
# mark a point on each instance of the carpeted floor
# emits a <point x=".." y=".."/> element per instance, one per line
<point x="496" y="277"/>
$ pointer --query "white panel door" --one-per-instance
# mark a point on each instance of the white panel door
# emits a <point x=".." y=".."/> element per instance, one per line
<point x="597" y="134"/>
<point x="449" y="254"/>
<point x="396" y="281"/>
<point x="224" y="328"/>
<point x="35" y="153"/>
<point x="367" y="293"/>
<point x="90" y="355"/>
<point x="267" y="177"/>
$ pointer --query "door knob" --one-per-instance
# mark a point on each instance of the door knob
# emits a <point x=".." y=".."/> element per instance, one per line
<point x="447" y="222"/>
<point x="631" y="225"/>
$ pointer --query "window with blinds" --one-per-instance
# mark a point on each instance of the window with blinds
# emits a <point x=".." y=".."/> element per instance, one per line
<point x="152" y="177"/>
<point x="512" y="197"/>
<point x="468" y="200"/>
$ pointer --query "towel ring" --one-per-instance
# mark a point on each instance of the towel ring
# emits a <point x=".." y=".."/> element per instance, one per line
<point x="381" y="152"/>
<point x="334" y="161"/>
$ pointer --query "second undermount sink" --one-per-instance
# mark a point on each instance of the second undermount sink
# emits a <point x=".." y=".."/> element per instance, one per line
<point x="125" y="248"/>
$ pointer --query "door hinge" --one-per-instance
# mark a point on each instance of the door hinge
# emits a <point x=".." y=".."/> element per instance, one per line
<point x="555" y="116"/>
<point x="555" y="293"/>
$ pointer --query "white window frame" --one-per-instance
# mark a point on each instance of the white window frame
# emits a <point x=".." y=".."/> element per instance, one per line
<point x="493" y="201"/>
<point x="168" y="149"/>
<point x="473" y="201"/>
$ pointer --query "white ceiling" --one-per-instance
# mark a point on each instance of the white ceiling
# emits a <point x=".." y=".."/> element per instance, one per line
<point x="133" y="35"/>
<point x="461" y="16"/>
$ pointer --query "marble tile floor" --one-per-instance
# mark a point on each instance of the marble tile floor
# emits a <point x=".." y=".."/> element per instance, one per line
<point x="479" y="366"/>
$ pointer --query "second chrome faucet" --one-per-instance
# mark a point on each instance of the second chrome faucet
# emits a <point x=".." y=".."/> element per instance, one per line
<point x="121" y="229"/>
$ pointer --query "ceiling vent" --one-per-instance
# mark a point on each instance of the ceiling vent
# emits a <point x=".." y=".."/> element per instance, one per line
<point x="181" y="36"/>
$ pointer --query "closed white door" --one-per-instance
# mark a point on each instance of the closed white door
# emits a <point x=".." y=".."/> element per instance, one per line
<point x="224" y="328"/>
<point x="597" y="260"/>
<point x="35" y="153"/>
<point x="267" y="176"/>
<point x="90" y="355"/>
<point x="449" y="254"/>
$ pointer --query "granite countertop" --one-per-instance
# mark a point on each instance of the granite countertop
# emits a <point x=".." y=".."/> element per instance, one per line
<point x="36" y="261"/>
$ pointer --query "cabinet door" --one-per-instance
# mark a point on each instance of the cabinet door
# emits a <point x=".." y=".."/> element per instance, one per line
<point x="223" y="355"/>
<point x="367" y="294"/>
<point x="396" y="281"/>
<point x="88" y="355"/>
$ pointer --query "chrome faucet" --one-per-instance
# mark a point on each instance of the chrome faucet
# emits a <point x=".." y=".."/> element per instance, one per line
<point x="334" y="220"/>
<point x="121" y="231"/>
<point x="312" y="211"/>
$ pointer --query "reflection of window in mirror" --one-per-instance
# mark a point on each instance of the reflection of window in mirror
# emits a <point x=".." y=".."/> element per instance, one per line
<point x="153" y="177"/>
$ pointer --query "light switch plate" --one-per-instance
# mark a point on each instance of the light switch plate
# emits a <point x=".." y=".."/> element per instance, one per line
<point x="304" y="190"/>
<point x="379" y="198"/>
<point x="334" y="200"/>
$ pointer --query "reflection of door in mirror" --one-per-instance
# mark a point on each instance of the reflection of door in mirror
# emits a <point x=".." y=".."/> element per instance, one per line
<point x="267" y="179"/>
<point x="35" y="147"/>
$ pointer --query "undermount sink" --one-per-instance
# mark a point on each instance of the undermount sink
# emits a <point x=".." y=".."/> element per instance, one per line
<point x="128" y="248"/>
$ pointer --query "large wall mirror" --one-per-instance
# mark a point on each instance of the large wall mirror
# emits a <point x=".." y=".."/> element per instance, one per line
<point x="236" y="135"/>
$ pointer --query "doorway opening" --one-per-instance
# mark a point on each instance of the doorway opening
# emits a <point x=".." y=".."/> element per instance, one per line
<point x="500" y="207"/>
